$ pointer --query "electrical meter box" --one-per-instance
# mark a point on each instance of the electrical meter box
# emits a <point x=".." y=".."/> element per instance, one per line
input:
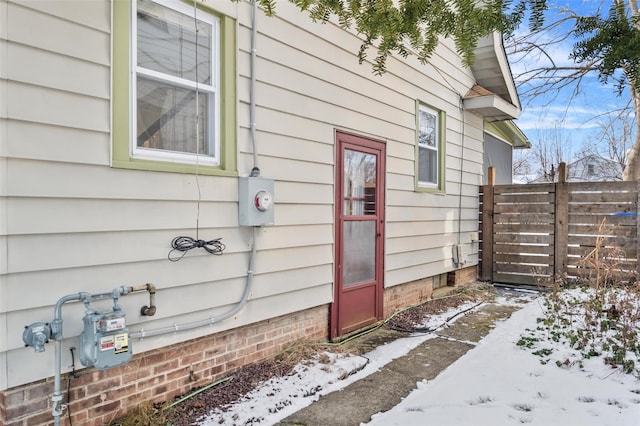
<point x="105" y="340"/>
<point x="255" y="201"/>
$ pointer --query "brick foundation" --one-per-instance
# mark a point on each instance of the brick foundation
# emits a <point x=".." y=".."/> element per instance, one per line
<point x="464" y="276"/>
<point x="419" y="291"/>
<point x="98" y="397"/>
<point x="412" y="293"/>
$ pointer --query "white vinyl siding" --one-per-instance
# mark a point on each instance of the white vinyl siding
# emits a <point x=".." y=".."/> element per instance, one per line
<point x="72" y="222"/>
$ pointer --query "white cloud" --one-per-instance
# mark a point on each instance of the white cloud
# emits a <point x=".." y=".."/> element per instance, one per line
<point x="559" y="116"/>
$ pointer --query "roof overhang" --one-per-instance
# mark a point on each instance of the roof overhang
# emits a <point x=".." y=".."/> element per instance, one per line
<point x="508" y="132"/>
<point x="489" y="105"/>
<point x="495" y="96"/>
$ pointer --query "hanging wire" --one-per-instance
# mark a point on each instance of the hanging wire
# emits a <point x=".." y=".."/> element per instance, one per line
<point x="462" y="137"/>
<point x="182" y="243"/>
<point x="195" y="25"/>
<point x="461" y="109"/>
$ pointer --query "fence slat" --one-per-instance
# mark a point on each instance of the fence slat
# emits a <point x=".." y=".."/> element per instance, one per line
<point x="629" y="253"/>
<point x="524" y="208"/>
<point x="603" y="197"/>
<point x="596" y="219"/>
<point x="522" y="249"/>
<point x="524" y="198"/>
<point x="617" y="231"/>
<point x="627" y="186"/>
<point x="535" y="228"/>
<point x="522" y="258"/>
<point x="606" y="241"/>
<point x="612" y="209"/>
<point x="523" y="189"/>
<point x="541" y="239"/>
<point x="528" y="279"/>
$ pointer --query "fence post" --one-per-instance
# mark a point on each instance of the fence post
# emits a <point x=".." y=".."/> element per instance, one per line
<point x="561" y="237"/>
<point x="487" y="226"/>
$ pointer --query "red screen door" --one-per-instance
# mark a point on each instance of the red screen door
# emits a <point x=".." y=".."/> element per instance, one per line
<point x="359" y="235"/>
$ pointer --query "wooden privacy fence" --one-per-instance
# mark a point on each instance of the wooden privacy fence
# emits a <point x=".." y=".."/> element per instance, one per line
<point x="532" y="234"/>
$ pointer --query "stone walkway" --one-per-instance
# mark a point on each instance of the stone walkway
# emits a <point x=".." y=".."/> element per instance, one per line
<point x="384" y="389"/>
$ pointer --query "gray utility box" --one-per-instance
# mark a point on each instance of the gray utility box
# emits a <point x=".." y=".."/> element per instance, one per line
<point x="255" y="201"/>
<point x="105" y="340"/>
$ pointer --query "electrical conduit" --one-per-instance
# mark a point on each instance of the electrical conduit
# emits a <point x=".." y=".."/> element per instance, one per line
<point x="210" y="320"/>
<point x="57" y="406"/>
<point x="255" y="172"/>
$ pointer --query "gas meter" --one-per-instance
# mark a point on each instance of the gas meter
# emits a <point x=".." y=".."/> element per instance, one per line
<point x="105" y="340"/>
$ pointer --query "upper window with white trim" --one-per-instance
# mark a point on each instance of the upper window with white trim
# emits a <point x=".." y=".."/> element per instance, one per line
<point x="175" y="96"/>
<point x="429" y="146"/>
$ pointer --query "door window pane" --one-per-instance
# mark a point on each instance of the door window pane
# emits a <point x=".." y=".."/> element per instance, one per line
<point x="359" y="252"/>
<point x="359" y="183"/>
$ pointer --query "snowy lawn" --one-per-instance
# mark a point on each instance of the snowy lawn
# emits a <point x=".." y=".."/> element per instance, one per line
<point x="497" y="383"/>
<point x="501" y="383"/>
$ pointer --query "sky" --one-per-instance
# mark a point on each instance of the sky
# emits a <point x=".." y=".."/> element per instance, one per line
<point x="578" y="118"/>
<point x="495" y="383"/>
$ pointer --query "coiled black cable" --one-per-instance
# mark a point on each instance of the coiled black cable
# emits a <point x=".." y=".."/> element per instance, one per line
<point x="184" y="244"/>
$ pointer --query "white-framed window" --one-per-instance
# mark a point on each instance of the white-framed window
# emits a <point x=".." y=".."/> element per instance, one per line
<point x="175" y="83"/>
<point x="429" y="146"/>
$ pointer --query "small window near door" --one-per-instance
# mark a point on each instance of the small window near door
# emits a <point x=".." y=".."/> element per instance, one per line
<point x="429" y="148"/>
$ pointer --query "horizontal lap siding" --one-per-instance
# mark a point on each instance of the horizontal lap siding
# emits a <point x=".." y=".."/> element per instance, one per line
<point x="75" y="224"/>
<point x="312" y="96"/>
<point x="422" y="227"/>
<point x="72" y="223"/>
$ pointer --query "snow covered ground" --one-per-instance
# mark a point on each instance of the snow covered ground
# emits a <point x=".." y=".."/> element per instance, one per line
<point x="496" y="383"/>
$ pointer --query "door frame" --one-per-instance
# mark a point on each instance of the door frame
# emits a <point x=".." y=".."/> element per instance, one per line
<point x="377" y="147"/>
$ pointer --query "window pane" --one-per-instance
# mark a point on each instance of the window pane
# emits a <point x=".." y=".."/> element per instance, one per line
<point x="359" y="183"/>
<point x="167" y="118"/>
<point x="427" y="132"/>
<point x="427" y="165"/>
<point x="166" y="43"/>
<point x="428" y="146"/>
<point x="359" y="252"/>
